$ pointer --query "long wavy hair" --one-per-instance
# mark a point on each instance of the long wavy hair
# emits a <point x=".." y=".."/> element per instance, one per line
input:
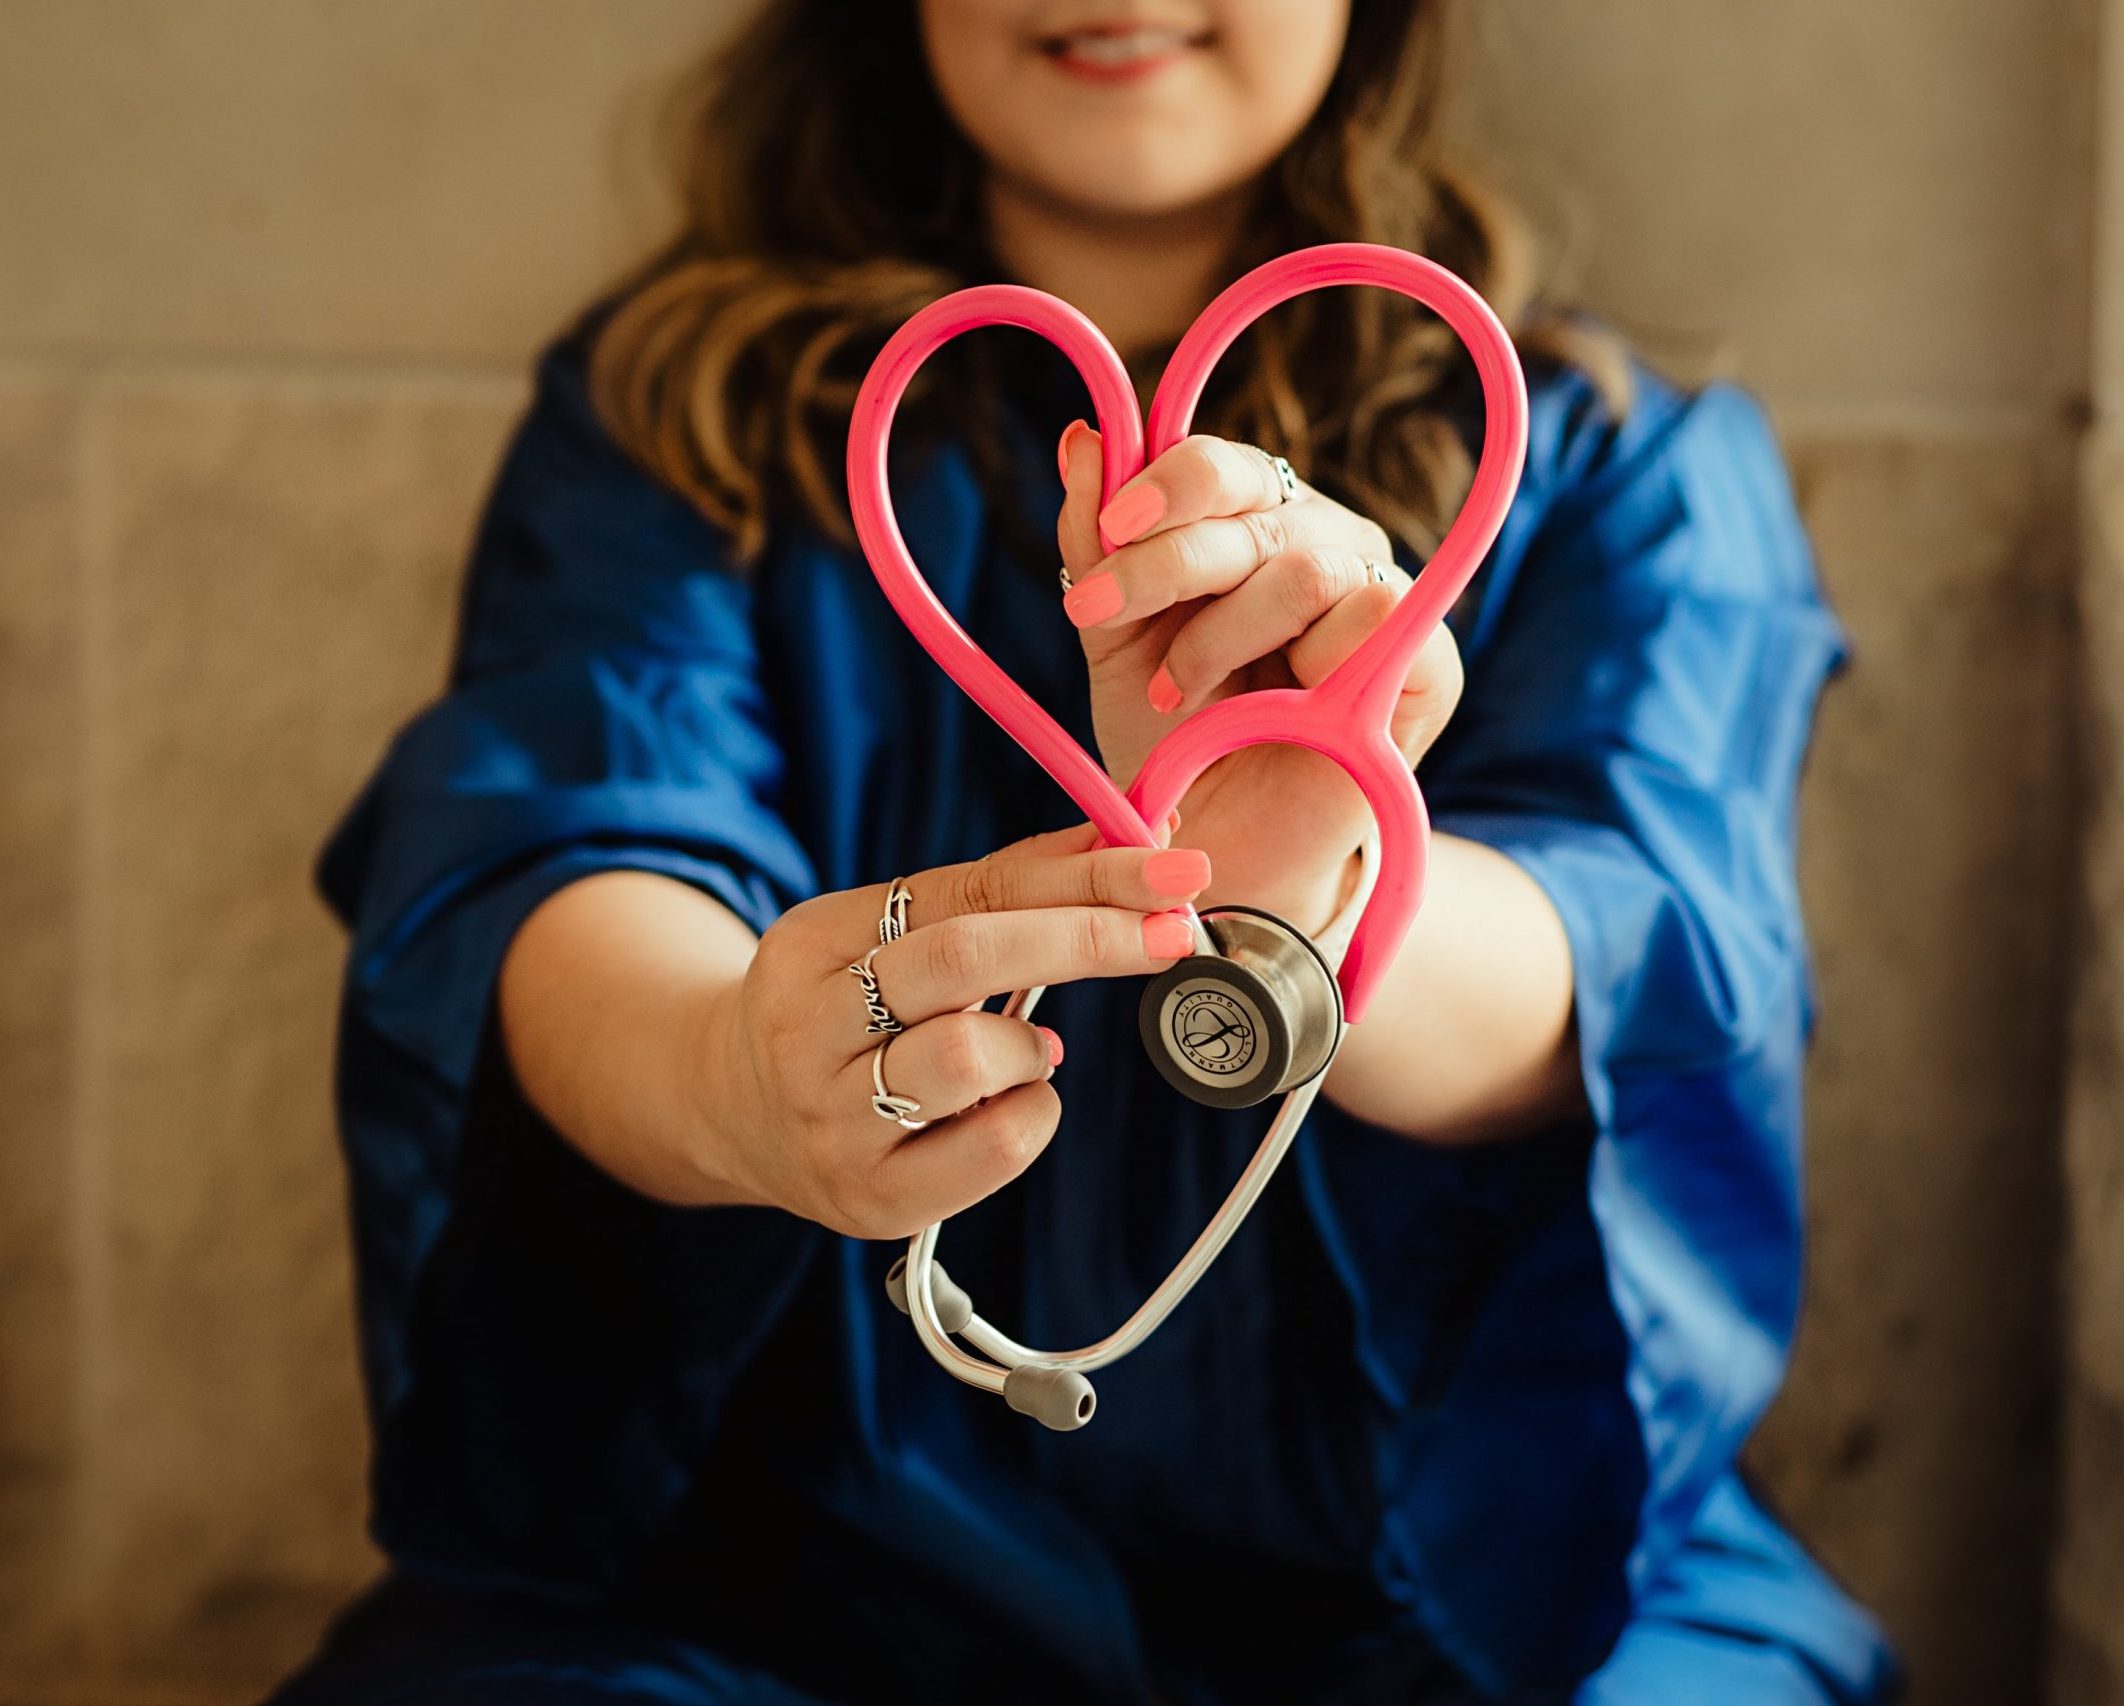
<point x="826" y="196"/>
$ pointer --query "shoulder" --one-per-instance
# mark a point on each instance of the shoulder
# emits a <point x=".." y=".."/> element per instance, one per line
<point x="1688" y="484"/>
<point x="579" y="545"/>
<point x="565" y="480"/>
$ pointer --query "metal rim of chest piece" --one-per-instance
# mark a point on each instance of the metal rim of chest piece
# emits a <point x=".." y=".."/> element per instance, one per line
<point x="1257" y="1018"/>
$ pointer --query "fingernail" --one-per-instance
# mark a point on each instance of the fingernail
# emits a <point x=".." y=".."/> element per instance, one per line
<point x="1178" y="871"/>
<point x="1172" y="823"/>
<point x="1168" y="936"/>
<point x="1133" y="513"/>
<point x="1164" y="691"/>
<point x="1092" y="600"/>
<point x="1069" y="434"/>
<point x="1054" y="1045"/>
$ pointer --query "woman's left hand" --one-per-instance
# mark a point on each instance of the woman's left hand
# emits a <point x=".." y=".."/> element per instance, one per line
<point x="1219" y="584"/>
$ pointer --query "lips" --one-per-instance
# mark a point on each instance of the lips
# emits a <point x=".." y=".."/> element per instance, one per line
<point x="1117" y="52"/>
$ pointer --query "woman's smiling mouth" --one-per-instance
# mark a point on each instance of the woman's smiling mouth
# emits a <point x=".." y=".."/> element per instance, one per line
<point x="1121" y="52"/>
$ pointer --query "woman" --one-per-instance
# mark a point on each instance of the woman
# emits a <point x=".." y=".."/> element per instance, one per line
<point x="1455" y="1418"/>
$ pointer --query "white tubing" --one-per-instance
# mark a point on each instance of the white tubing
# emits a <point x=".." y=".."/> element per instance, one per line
<point x="1006" y="1353"/>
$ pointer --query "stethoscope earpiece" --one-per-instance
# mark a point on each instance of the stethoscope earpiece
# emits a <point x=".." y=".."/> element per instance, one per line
<point x="954" y="1307"/>
<point x="1256" y="1017"/>
<point x="1057" y="1398"/>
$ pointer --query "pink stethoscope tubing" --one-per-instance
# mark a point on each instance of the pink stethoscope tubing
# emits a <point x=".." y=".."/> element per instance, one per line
<point x="1346" y="717"/>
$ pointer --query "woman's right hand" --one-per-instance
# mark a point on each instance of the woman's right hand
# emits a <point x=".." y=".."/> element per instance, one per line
<point x="785" y="1091"/>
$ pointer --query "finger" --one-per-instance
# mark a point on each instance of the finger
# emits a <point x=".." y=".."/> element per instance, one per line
<point x="1080" y="458"/>
<point x="932" y="1176"/>
<point x="1200" y="476"/>
<point x="1430" y="695"/>
<point x="1272" y="608"/>
<point x="1136" y="878"/>
<point x="1051" y="843"/>
<point x="1059" y="867"/>
<point x="1355" y="617"/>
<point x="953" y="1061"/>
<point x="1431" y="690"/>
<point x="1208" y="558"/>
<point x="954" y="964"/>
<point x="1077" y="838"/>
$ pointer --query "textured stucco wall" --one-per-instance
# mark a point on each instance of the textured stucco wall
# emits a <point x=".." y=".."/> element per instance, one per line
<point x="269" y="270"/>
<point x="2088" y="1577"/>
<point x="2089" y="1571"/>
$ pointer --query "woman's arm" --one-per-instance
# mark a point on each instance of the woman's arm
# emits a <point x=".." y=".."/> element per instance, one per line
<point x="703" y="1066"/>
<point x="611" y="996"/>
<point x="620" y="1007"/>
<point x="1469" y="1034"/>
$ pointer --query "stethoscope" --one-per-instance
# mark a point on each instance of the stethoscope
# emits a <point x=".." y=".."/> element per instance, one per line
<point x="1259" y="1009"/>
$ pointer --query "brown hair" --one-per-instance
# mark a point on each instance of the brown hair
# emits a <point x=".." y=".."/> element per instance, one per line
<point x="827" y="196"/>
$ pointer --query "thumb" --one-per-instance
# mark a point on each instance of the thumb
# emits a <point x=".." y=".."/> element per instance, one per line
<point x="1077" y="838"/>
<point x="1079" y="457"/>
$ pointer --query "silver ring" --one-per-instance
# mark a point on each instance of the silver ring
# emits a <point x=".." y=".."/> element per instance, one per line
<point x="882" y="1023"/>
<point x="1286" y="476"/>
<point x="898" y="1109"/>
<point x="894" y="924"/>
<point x="1062" y="575"/>
<point x="1377" y="572"/>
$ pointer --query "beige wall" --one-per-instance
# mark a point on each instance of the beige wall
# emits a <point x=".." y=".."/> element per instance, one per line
<point x="269" y="270"/>
<point x="2089" y="1569"/>
<point x="1878" y="215"/>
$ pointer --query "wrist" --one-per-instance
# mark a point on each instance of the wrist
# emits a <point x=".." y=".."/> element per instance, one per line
<point x="1308" y="901"/>
<point x="718" y="1101"/>
<point x="1322" y="901"/>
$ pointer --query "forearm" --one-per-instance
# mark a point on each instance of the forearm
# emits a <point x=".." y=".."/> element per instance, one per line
<point x="1469" y="1035"/>
<point x="611" y="997"/>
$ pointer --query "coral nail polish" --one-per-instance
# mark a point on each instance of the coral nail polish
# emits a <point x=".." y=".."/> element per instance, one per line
<point x="1164" y="691"/>
<point x="1178" y="871"/>
<point x="1069" y="436"/>
<point x="1054" y="1045"/>
<point x="1168" y="936"/>
<point x="1132" y="514"/>
<point x="1092" y="600"/>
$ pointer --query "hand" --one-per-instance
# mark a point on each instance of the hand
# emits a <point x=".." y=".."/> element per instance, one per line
<point x="786" y="1090"/>
<point x="1219" y="585"/>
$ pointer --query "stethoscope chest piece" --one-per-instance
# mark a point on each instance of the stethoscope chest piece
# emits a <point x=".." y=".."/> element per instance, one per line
<point x="1256" y="1018"/>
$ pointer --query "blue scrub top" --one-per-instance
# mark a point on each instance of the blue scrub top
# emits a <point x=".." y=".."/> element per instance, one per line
<point x="1465" y="1408"/>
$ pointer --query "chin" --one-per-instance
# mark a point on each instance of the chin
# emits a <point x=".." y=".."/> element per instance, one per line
<point x="1134" y="183"/>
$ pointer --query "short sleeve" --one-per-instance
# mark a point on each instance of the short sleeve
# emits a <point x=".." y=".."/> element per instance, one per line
<point x="1638" y="750"/>
<point x="605" y="711"/>
<point x="1643" y="669"/>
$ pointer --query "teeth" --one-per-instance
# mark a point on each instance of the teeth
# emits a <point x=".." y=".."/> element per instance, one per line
<point x="1122" y="49"/>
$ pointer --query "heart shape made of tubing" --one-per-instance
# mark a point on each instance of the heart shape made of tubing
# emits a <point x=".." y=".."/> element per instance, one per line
<point x="1347" y="716"/>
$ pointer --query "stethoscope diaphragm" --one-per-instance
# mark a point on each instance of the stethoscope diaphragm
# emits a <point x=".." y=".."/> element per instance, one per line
<point x="1256" y="1017"/>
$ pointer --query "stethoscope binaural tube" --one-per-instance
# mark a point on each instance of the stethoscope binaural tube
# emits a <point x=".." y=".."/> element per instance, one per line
<point x="1346" y="717"/>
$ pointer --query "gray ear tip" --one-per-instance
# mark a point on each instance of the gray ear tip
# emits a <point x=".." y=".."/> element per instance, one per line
<point x="954" y="1307"/>
<point x="1057" y="1398"/>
